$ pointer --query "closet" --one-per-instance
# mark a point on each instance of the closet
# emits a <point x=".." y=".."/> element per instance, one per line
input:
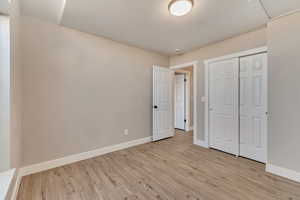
<point x="237" y="105"/>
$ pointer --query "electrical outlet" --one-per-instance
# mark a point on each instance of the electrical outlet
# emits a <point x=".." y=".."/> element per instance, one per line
<point x="126" y="132"/>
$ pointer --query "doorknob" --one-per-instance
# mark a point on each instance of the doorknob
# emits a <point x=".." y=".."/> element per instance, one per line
<point x="155" y="107"/>
<point x="268" y="115"/>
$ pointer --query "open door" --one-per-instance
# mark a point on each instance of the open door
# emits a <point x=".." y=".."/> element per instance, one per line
<point x="163" y="126"/>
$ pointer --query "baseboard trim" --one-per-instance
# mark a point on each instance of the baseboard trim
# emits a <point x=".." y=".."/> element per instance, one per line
<point x="201" y="143"/>
<point x="283" y="172"/>
<point x="6" y="181"/>
<point x="16" y="187"/>
<point x="32" y="169"/>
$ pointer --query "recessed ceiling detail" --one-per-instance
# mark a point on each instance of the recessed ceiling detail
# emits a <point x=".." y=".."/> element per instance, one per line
<point x="148" y="24"/>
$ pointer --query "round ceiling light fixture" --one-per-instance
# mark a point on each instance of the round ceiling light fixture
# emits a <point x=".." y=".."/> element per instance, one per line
<point x="180" y="7"/>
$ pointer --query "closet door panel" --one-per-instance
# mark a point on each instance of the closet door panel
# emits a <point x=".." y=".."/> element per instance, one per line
<point x="223" y="105"/>
<point x="253" y="107"/>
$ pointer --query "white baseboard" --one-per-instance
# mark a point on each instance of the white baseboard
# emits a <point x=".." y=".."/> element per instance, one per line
<point x="201" y="143"/>
<point x="16" y="187"/>
<point x="283" y="172"/>
<point x="6" y="180"/>
<point x="79" y="157"/>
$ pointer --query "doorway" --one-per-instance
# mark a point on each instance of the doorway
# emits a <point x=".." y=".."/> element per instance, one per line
<point x="164" y="100"/>
<point x="183" y="95"/>
<point x="186" y="113"/>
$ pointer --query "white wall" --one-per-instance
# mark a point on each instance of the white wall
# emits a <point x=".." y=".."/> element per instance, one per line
<point x="81" y="91"/>
<point x="284" y="92"/>
<point x="4" y="94"/>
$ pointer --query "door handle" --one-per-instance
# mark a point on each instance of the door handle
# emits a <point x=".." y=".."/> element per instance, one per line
<point x="155" y="107"/>
<point x="268" y="115"/>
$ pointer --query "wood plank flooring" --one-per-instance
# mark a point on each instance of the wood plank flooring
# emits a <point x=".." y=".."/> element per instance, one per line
<point x="168" y="169"/>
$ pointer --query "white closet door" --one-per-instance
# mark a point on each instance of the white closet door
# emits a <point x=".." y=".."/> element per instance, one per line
<point x="163" y="126"/>
<point x="223" y="105"/>
<point x="180" y="101"/>
<point x="253" y="107"/>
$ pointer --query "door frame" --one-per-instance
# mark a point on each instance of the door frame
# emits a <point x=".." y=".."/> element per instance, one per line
<point x="250" y="52"/>
<point x="193" y="64"/>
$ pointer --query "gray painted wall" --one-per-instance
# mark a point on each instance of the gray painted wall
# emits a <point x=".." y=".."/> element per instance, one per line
<point x="16" y="86"/>
<point x="284" y="92"/>
<point x="81" y="91"/>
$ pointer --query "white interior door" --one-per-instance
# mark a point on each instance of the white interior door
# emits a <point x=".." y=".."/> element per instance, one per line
<point x="253" y="107"/>
<point x="180" y="101"/>
<point x="223" y="105"/>
<point x="163" y="125"/>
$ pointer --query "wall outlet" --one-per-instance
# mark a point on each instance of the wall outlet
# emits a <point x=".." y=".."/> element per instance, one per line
<point x="126" y="132"/>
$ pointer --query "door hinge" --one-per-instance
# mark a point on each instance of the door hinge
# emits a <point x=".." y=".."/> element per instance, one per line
<point x="185" y="80"/>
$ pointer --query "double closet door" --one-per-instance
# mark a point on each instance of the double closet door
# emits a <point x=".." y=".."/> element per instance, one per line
<point x="238" y="106"/>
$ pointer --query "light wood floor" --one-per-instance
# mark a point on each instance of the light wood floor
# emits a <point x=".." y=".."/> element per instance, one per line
<point x="169" y="169"/>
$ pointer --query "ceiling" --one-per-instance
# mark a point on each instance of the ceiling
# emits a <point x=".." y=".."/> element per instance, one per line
<point x="50" y="10"/>
<point x="147" y="23"/>
<point x="4" y="6"/>
<point x="279" y="7"/>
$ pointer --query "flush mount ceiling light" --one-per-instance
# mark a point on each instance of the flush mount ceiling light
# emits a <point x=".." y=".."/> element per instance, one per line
<point x="180" y="7"/>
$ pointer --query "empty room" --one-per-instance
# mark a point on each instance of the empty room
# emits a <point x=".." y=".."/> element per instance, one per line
<point x="149" y="100"/>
